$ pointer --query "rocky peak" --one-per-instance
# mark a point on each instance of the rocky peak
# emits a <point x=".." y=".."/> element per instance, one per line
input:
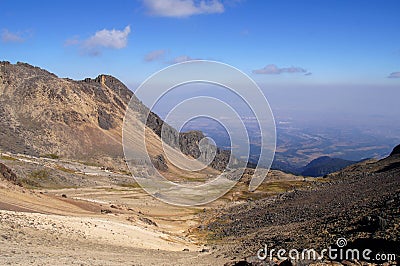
<point x="113" y="84"/>
<point x="41" y="113"/>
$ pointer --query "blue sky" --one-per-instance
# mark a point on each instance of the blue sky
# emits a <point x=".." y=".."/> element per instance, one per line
<point x="293" y="47"/>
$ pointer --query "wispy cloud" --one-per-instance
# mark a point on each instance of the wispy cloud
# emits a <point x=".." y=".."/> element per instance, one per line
<point x="182" y="58"/>
<point x="113" y="39"/>
<point x="154" y="55"/>
<point x="72" y="41"/>
<point x="394" y="75"/>
<point x="182" y="8"/>
<point x="7" y="36"/>
<point x="273" y="69"/>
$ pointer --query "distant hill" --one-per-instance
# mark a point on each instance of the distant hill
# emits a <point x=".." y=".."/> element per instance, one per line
<point x="286" y="167"/>
<point x="325" y="165"/>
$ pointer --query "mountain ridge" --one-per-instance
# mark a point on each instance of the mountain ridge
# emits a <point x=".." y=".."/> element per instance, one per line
<point x="45" y="114"/>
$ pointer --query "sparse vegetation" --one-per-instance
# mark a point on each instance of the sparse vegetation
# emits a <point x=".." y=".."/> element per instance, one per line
<point x="6" y="157"/>
<point x="91" y="164"/>
<point x="40" y="174"/>
<point x="50" y="156"/>
<point x="281" y="186"/>
<point x="125" y="172"/>
<point x="66" y="170"/>
<point x="28" y="183"/>
<point x="129" y="185"/>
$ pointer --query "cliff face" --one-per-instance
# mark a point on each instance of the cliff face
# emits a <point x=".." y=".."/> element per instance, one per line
<point x="43" y="114"/>
<point x="189" y="143"/>
<point x="7" y="174"/>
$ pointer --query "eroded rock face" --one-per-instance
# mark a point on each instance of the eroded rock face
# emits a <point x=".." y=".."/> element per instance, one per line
<point x="160" y="163"/>
<point x="7" y="174"/>
<point x="188" y="143"/>
<point x="106" y="121"/>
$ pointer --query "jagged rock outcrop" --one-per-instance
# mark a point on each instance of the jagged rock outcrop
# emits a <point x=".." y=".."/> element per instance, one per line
<point x="190" y="142"/>
<point x="7" y="174"/>
<point x="160" y="163"/>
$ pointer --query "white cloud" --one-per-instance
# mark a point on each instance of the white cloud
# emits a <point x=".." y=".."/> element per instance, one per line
<point x="113" y="39"/>
<point x="154" y="55"/>
<point x="7" y="36"/>
<point x="273" y="69"/>
<point x="394" y="75"/>
<point x="116" y="39"/>
<point x="182" y="8"/>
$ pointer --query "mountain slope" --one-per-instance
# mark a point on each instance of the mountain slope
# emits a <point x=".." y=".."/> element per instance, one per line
<point x="42" y="114"/>
<point x="360" y="203"/>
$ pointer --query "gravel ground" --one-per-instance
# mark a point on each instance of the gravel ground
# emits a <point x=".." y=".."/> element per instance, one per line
<point x="360" y="203"/>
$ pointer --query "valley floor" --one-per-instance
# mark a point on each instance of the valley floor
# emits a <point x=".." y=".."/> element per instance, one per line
<point x="99" y="223"/>
<point x="42" y="239"/>
<point x="69" y="213"/>
<point x="95" y="226"/>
